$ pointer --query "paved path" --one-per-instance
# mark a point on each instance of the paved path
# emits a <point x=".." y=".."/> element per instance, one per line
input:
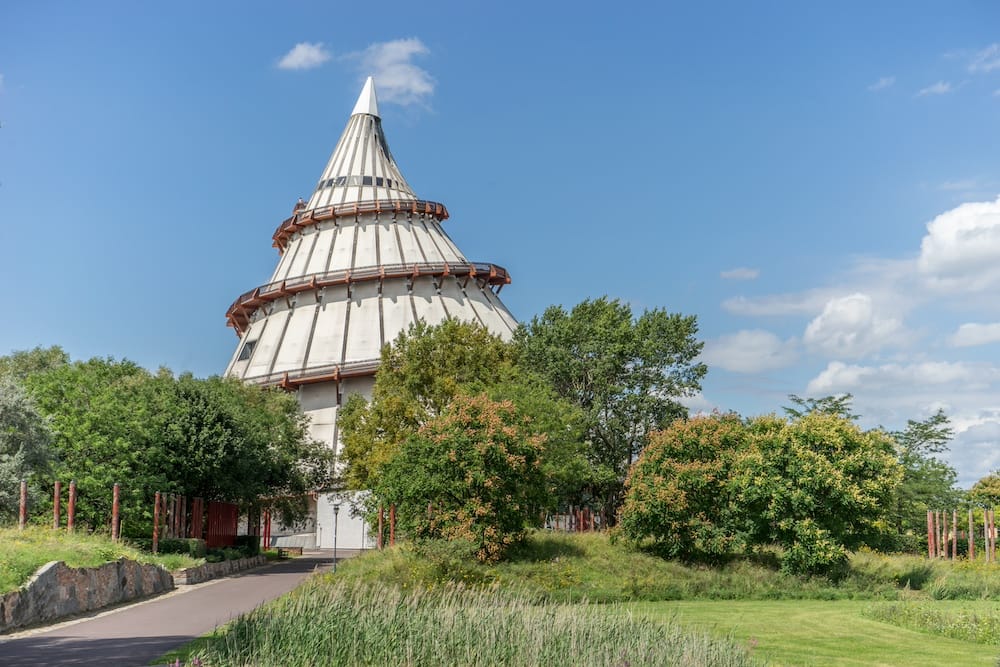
<point x="139" y="633"/>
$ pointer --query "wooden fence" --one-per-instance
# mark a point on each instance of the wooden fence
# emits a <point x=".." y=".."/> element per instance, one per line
<point x="945" y="531"/>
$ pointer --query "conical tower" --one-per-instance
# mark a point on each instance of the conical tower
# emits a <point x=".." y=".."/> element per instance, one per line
<point x="359" y="262"/>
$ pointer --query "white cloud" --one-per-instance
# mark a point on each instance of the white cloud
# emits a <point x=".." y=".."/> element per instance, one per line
<point x="304" y="55"/>
<point x="939" y="88"/>
<point x="986" y="60"/>
<point x="961" y="250"/>
<point x="839" y="377"/>
<point x="740" y="273"/>
<point x="882" y="84"/>
<point x="697" y="404"/>
<point x="952" y="186"/>
<point x="397" y="79"/>
<point x="976" y="334"/>
<point x="795" y="303"/>
<point x="750" y="351"/>
<point x="848" y="327"/>
<point x="1" y="83"/>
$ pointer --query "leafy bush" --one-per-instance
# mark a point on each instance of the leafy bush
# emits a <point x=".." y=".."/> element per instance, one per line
<point x="473" y="474"/>
<point x="715" y="486"/>
<point x="192" y="547"/>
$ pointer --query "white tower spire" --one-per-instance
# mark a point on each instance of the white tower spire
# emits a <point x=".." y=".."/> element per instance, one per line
<point x="359" y="262"/>
<point x="367" y="101"/>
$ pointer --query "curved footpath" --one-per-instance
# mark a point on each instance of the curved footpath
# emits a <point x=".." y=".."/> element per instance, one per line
<point x="138" y="633"/>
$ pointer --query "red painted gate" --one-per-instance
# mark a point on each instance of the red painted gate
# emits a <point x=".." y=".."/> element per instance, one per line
<point x="223" y="519"/>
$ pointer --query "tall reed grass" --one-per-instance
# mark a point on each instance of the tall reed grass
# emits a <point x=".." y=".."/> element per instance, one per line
<point x="353" y="623"/>
<point x="975" y="622"/>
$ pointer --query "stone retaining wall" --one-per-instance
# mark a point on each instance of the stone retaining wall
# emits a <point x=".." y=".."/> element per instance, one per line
<point x="196" y="575"/>
<point x="58" y="590"/>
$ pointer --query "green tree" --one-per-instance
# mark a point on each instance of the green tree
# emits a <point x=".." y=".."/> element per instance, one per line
<point x="626" y="374"/>
<point x="818" y="485"/>
<point x="839" y="406"/>
<point x="22" y="363"/>
<point x="678" y="491"/>
<point x="423" y="371"/>
<point x="420" y="373"/>
<point x="25" y="445"/>
<point x="219" y="439"/>
<point x="986" y="492"/>
<point x="472" y="473"/>
<point x="928" y="482"/>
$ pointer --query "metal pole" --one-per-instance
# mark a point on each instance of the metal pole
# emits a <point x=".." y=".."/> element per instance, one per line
<point x="336" y="512"/>
<point x="56" y="497"/>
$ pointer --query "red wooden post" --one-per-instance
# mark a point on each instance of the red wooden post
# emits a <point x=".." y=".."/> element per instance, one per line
<point x="940" y="533"/>
<point x="972" y="538"/>
<point x="22" y="513"/>
<point x="156" y="522"/>
<point x="56" y="498"/>
<point x="115" y="509"/>
<point x="177" y="515"/>
<point x="930" y="534"/>
<point x="392" y="525"/>
<point x="71" y="507"/>
<point x="954" y="527"/>
<point x="381" y="525"/>
<point x="993" y="535"/>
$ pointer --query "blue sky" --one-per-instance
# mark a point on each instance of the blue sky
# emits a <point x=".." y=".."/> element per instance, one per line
<point x="818" y="184"/>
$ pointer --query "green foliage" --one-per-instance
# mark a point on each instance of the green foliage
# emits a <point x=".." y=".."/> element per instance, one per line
<point x="678" y="492"/>
<point x="423" y="372"/>
<point x="22" y="552"/>
<point x="22" y="363"/>
<point x="192" y="547"/>
<point x="986" y="492"/>
<point x="978" y="623"/>
<point x="928" y="482"/>
<point x="25" y="446"/>
<point x="588" y="566"/>
<point x="626" y="374"/>
<point x="472" y="473"/>
<point x="452" y="627"/>
<point x="712" y="486"/>
<point x="839" y="406"/>
<point x="214" y="438"/>
<point x="818" y="486"/>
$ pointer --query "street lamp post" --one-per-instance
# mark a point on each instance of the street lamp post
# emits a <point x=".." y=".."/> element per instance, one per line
<point x="336" y="511"/>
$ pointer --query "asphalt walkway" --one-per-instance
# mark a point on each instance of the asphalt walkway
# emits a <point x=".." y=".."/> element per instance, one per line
<point x="136" y="634"/>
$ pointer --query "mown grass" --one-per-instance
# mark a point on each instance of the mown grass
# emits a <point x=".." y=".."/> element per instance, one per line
<point x="833" y="633"/>
<point x="977" y="621"/>
<point x="22" y="552"/>
<point x="328" y="622"/>
<point x="568" y="568"/>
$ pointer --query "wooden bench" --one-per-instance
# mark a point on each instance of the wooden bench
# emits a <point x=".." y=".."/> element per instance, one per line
<point x="285" y="552"/>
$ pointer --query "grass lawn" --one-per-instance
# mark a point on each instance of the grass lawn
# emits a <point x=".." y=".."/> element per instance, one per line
<point x="822" y="632"/>
<point x="22" y="552"/>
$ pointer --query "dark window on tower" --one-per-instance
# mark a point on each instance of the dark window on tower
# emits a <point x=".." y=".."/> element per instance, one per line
<point x="366" y="180"/>
<point x="247" y="350"/>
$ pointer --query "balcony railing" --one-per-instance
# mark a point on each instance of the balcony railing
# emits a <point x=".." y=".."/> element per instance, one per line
<point x="238" y="315"/>
<point x="305" y="218"/>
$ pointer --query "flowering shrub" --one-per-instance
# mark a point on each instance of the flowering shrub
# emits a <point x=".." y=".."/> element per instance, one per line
<point x="473" y="474"/>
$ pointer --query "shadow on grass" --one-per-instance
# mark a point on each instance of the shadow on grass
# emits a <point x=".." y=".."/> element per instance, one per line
<point x="541" y="548"/>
